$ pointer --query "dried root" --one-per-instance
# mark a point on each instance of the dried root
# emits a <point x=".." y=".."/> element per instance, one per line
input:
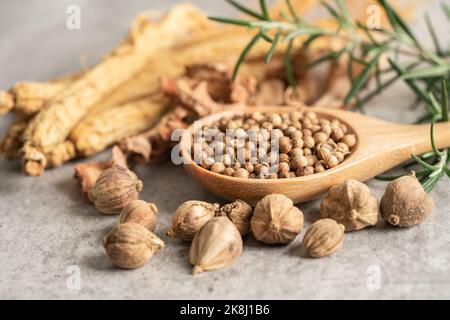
<point x="11" y="144"/>
<point x="30" y="97"/>
<point x="97" y="132"/>
<point x="6" y="102"/>
<point x="61" y="154"/>
<point x="53" y="124"/>
<point x="202" y="90"/>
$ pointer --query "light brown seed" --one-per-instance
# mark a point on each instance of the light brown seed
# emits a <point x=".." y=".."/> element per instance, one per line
<point x="323" y="238"/>
<point x="276" y="219"/>
<point x="349" y="140"/>
<point x="130" y="245"/>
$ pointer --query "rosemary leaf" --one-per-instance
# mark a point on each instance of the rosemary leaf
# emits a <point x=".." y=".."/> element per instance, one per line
<point x="305" y="31"/>
<point x="437" y="45"/>
<point x="350" y="66"/>
<point x="265" y="12"/>
<point x="400" y="71"/>
<point x="245" y="53"/>
<point x="434" y="104"/>
<point x="347" y="20"/>
<point x="332" y="11"/>
<point x="397" y="22"/>
<point x="238" y="22"/>
<point x="325" y="57"/>
<point x="447" y="170"/>
<point x="310" y="40"/>
<point x="380" y="88"/>
<point x="430" y="183"/>
<point x="444" y="100"/>
<point x="367" y="32"/>
<point x="425" y="118"/>
<point x="292" y="12"/>
<point x="272" y="49"/>
<point x="421" y="173"/>
<point x="360" y="80"/>
<point x="424" y="164"/>
<point x="438" y="152"/>
<point x="284" y="15"/>
<point x="390" y="14"/>
<point x="288" y="65"/>
<point x="378" y="74"/>
<point x="446" y="9"/>
<point x="246" y="10"/>
<point x="431" y="72"/>
<point x="266" y="37"/>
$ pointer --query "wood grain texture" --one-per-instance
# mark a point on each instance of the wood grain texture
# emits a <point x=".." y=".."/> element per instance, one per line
<point x="381" y="145"/>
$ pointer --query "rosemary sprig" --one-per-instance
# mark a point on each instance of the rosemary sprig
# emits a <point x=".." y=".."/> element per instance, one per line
<point x="423" y="73"/>
<point x="431" y="171"/>
<point x="398" y="41"/>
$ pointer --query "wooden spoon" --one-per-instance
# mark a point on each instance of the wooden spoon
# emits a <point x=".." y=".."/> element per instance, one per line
<point x="381" y="145"/>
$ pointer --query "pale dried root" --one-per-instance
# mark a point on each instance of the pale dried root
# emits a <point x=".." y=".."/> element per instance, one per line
<point x="96" y="133"/>
<point x="30" y="97"/>
<point x="172" y="63"/>
<point x="53" y="124"/>
<point x="34" y="163"/>
<point x="154" y="144"/>
<point x="6" y="102"/>
<point x="60" y="154"/>
<point x="11" y="143"/>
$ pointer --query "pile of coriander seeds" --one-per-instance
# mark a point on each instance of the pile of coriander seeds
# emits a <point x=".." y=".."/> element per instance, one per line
<point x="262" y="145"/>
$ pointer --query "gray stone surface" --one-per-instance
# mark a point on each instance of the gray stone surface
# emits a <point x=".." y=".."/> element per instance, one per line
<point x="45" y="226"/>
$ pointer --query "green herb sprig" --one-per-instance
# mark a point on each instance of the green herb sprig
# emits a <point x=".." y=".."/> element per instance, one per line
<point x="421" y="69"/>
<point x="427" y="66"/>
<point x="435" y="164"/>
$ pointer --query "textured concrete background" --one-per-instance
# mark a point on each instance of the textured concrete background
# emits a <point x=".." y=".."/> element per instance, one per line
<point x="45" y="226"/>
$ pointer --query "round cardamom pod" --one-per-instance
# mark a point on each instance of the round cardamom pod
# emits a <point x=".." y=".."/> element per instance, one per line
<point x="116" y="187"/>
<point x="130" y="245"/>
<point x="352" y="205"/>
<point x="323" y="237"/>
<point x="405" y="203"/>
<point x="140" y="212"/>
<point x="189" y="217"/>
<point x="216" y="245"/>
<point x="276" y="219"/>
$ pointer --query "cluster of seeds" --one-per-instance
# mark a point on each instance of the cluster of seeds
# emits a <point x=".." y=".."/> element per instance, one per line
<point x="272" y="145"/>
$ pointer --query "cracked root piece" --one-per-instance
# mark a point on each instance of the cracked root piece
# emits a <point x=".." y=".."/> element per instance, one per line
<point x="6" y="102"/>
<point x="11" y="143"/>
<point x="53" y="124"/>
<point x="34" y="163"/>
<point x="99" y="131"/>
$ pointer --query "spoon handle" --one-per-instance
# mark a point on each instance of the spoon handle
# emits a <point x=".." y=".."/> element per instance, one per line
<point x="384" y="145"/>
<point x="415" y="139"/>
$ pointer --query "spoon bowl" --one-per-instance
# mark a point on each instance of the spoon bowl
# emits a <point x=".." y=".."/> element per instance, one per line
<point x="380" y="146"/>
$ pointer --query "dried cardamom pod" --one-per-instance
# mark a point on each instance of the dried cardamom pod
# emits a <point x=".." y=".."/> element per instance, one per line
<point x="216" y="245"/>
<point x="189" y="217"/>
<point x="130" y="245"/>
<point x="140" y="212"/>
<point x="323" y="237"/>
<point x="405" y="203"/>
<point x="114" y="188"/>
<point x="352" y="205"/>
<point x="240" y="213"/>
<point x="276" y="219"/>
